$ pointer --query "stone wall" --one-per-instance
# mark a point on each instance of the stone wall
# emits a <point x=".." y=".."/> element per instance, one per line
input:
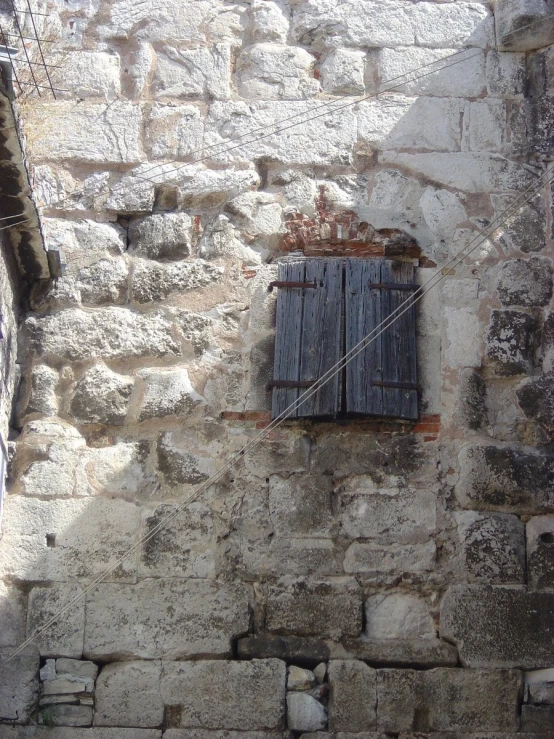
<point x="360" y="578"/>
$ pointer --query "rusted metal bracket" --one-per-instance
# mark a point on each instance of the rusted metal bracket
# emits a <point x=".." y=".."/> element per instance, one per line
<point x="391" y="286"/>
<point x="289" y="383"/>
<point x="403" y="385"/>
<point x="284" y="283"/>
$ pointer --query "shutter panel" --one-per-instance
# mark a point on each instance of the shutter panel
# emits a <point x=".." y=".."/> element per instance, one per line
<point x="308" y="336"/>
<point x="381" y="380"/>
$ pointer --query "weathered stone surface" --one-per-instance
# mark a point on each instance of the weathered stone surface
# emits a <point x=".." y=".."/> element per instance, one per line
<point x="398" y="652"/>
<point x="178" y="619"/>
<point x="463" y="331"/>
<point x="499" y="626"/>
<point x="504" y="479"/>
<point x="167" y="393"/>
<point x="484" y="126"/>
<point x="365" y="557"/>
<point x="42" y="732"/>
<point x="129" y="694"/>
<point x="93" y="133"/>
<point x="304" y="608"/>
<point x="162" y="236"/>
<point x="353" y="697"/>
<point x="207" y="734"/>
<point x="492" y="547"/>
<point x="83" y="242"/>
<point x="342" y="72"/>
<point x="173" y="131"/>
<point x="222" y="239"/>
<point x="268" y="71"/>
<point x="305" y="713"/>
<point x="207" y="186"/>
<point x="296" y="649"/>
<point x="505" y="74"/>
<point x="522" y="25"/>
<point x="251" y="695"/>
<point x="90" y="74"/>
<point x="118" y="470"/>
<point x="299" y="678"/>
<point x="76" y="668"/>
<point x="12" y="615"/>
<point x="111" y="332"/>
<point x="397" y="616"/>
<point x="537" y="718"/>
<point x="153" y="281"/>
<point x="103" y="282"/>
<point x="180" y="466"/>
<point x="194" y="73"/>
<point x="448" y="700"/>
<point x="38" y="394"/>
<point x="510" y="342"/>
<point x="540" y="552"/>
<point x="64" y="636"/>
<point x="67" y="715"/>
<point x="101" y="396"/>
<point x="541" y="693"/>
<point x="537" y="401"/>
<point x="301" y="505"/>
<point x="524" y="230"/>
<point x="458" y="24"/>
<point x="326" y="140"/>
<point x="411" y="123"/>
<point x="62" y="540"/>
<point x="526" y="282"/>
<point x="471" y="406"/>
<point x="19" y="686"/>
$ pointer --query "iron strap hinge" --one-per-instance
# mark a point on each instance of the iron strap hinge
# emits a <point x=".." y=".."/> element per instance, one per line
<point x="284" y="283"/>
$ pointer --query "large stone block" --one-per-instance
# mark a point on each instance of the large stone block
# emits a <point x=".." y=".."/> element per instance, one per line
<point x="295" y="649"/>
<point x="353" y="696"/>
<point x="343" y="71"/>
<point x="492" y="547"/>
<point x="61" y="540"/>
<point x="540" y="552"/>
<point x="455" y="25"/>
<point x="208" y="734"/>
<point x="427" y="652"/>
<point x="268" y="22"/>
<point x="65" y="636"/>
<point x="153" y="281"/>
<point x="167" y="393"/>
<point x="510" y="342"/>
<point x="327" y="608"/>
<point x="12" y="615"/>
<point x="502" y="479"/>
<point x="129" y="694"/>
<point x="227" y="695"/>
<point x="446" y="699"/>
<point x="115" y="333"/>
<point x="305" y="713"/>
<point x="537" y="718"/>
<point x="19" y="685"/>
<point x="301" y="505"/>
<point x="38" y="393"/>
<point x="83" y="242"/>
<point x="173" y="131"/>
<point x="484" y="126"/>
<point x="524" y="230"/>
<point x="536" y="399"/>
<point x="398" y="616"/>
<point x="269" y="71"/>
<point x="526" y="282"/>
<point x="366" y="557"/>
<point x="105" y="282"/>
<point x="43" y="732"/>
<point x="194" y="73"/>
<point x="463" y="333"/>
<point x="161" y="236"/>
<point x="506" y="74"/>
<point x="326" y="140"/>
<point x="499" y="626"/>
<point x="101" y="396"/>
<point x="523" y="25"/>
<point x="89" y="74"/>
<point x="84" y="132"/>
<point x="178" y="619"/>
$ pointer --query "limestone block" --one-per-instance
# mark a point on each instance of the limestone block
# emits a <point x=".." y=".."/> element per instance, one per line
<point x="353" y="697"/>
<point x="152" y="281"/>
<point x="483" y="622"/>
<point x="540" y="552"/>
<point x="505" y="74"/>
<point x="83" y="242"/>
<point x="85" y="132"/>
<point x="258" y="214"/>
<point x="179" y="619"/>
<point x="77" y="668"/>
<point x="471" y="410"/>
<point x="525" y="282"/>
<point x="38" y="394"/>
<point x="12" y="615"/>
<point x="397" y="616"/>
<point x="67" y="715"/>
<point x="161" y="236"/>
<point x="53" y="473"/>
<point x="65" y="636"/>
<point x="89" y="74"/>
<point x="537" y="401"/>
<point x="289" y="648"/>
<point x="184" y="548"/>
<point x="42" y="732"/>
<point x="510" y="342"/>
<point x="342" y="72"/>
<point x="503" y="479"/>
<point x="301" y="505"/>
<point x="444" y="78"/>
<point x="251" y="695"/>
<point x="390" y="516"/>
<point x="68" y="685"/>
<point x="112" y="332"/>
<point x="541" y="693"/>
<point x="179" y="466"/>
<point x="299" y="678"/>
<point x="305" y="713"/>
<point x="19" y="685"/>
<point x="492" y="547"/>
<point x="118" y="470"/>
<point x="193" y="73"/>
<point x="103" y="282"/>
<point x="422" y="652"/>
<point x="207" y="186"/>
<point x="442" y="211"/>
<point x="327" y="140"/>
<point x="477" y="172"/>
<point x="62" y="540"/>
<point x="101" y="396"/>
<point x="327" y="608"/>
<point x="304" y="556"/>
<point x="48" y="672"/>
<point x="456" y="25"/>
<point x="537" y="718"/>
<point x="484" y="126"/>
<point x="522" y="25"/>
<point x="410" y="123"/>
<point x="463" y="330"/>
<point x="268" y="71"/>
<point x="523" y="231"/>
<point x="268" y="22"/>
<point x="365" y="557"/>
<point x="207" y="734"/>
<point x="448" y="700"/>
<point x="167" y="393"/>
<point x="222" y="239"/>
<point x="128" y="694"/>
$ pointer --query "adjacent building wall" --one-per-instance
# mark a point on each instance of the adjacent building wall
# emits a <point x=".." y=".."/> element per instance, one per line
<point x="408" y="568"/>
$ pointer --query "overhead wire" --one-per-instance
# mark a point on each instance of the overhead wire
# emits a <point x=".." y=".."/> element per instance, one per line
<point x="369" y="338"/>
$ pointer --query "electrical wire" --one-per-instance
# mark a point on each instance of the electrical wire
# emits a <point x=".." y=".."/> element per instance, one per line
<point x="369" y="338"/>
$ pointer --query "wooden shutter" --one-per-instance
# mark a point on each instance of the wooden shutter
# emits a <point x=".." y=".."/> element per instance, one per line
<point x="308" y="336"/>
<point x="382" y="379"/>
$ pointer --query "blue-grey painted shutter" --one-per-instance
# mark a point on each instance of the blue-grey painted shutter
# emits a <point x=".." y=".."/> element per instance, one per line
<point x="308" y="336"/>
<point x="382" y="379"/>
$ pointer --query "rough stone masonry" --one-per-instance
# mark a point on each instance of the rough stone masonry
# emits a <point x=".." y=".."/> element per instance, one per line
<point x="347" y="579"/>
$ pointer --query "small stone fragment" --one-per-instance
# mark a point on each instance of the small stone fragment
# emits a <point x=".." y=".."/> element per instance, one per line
<point x="300" y="679"/>
<point x="167" y="393"/>
<point x="305" y="713"/>
<point x="77" y="667"/>
<point x="397" y="616"/>
<point x="48" y="672"/>
<point x="342" y="72"/>
<point x="320" y="672"/>
<point x="101" y="396"/>
<point x="353" y="701"/>
<point x="162" y="236"/>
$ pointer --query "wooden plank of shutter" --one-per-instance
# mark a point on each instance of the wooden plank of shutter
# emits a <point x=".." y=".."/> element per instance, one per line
<point x="321" y="335"/>
<point x="288" y="336"/>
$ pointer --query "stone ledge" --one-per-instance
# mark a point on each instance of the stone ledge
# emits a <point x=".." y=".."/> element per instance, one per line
<point x="397" y="652"/>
